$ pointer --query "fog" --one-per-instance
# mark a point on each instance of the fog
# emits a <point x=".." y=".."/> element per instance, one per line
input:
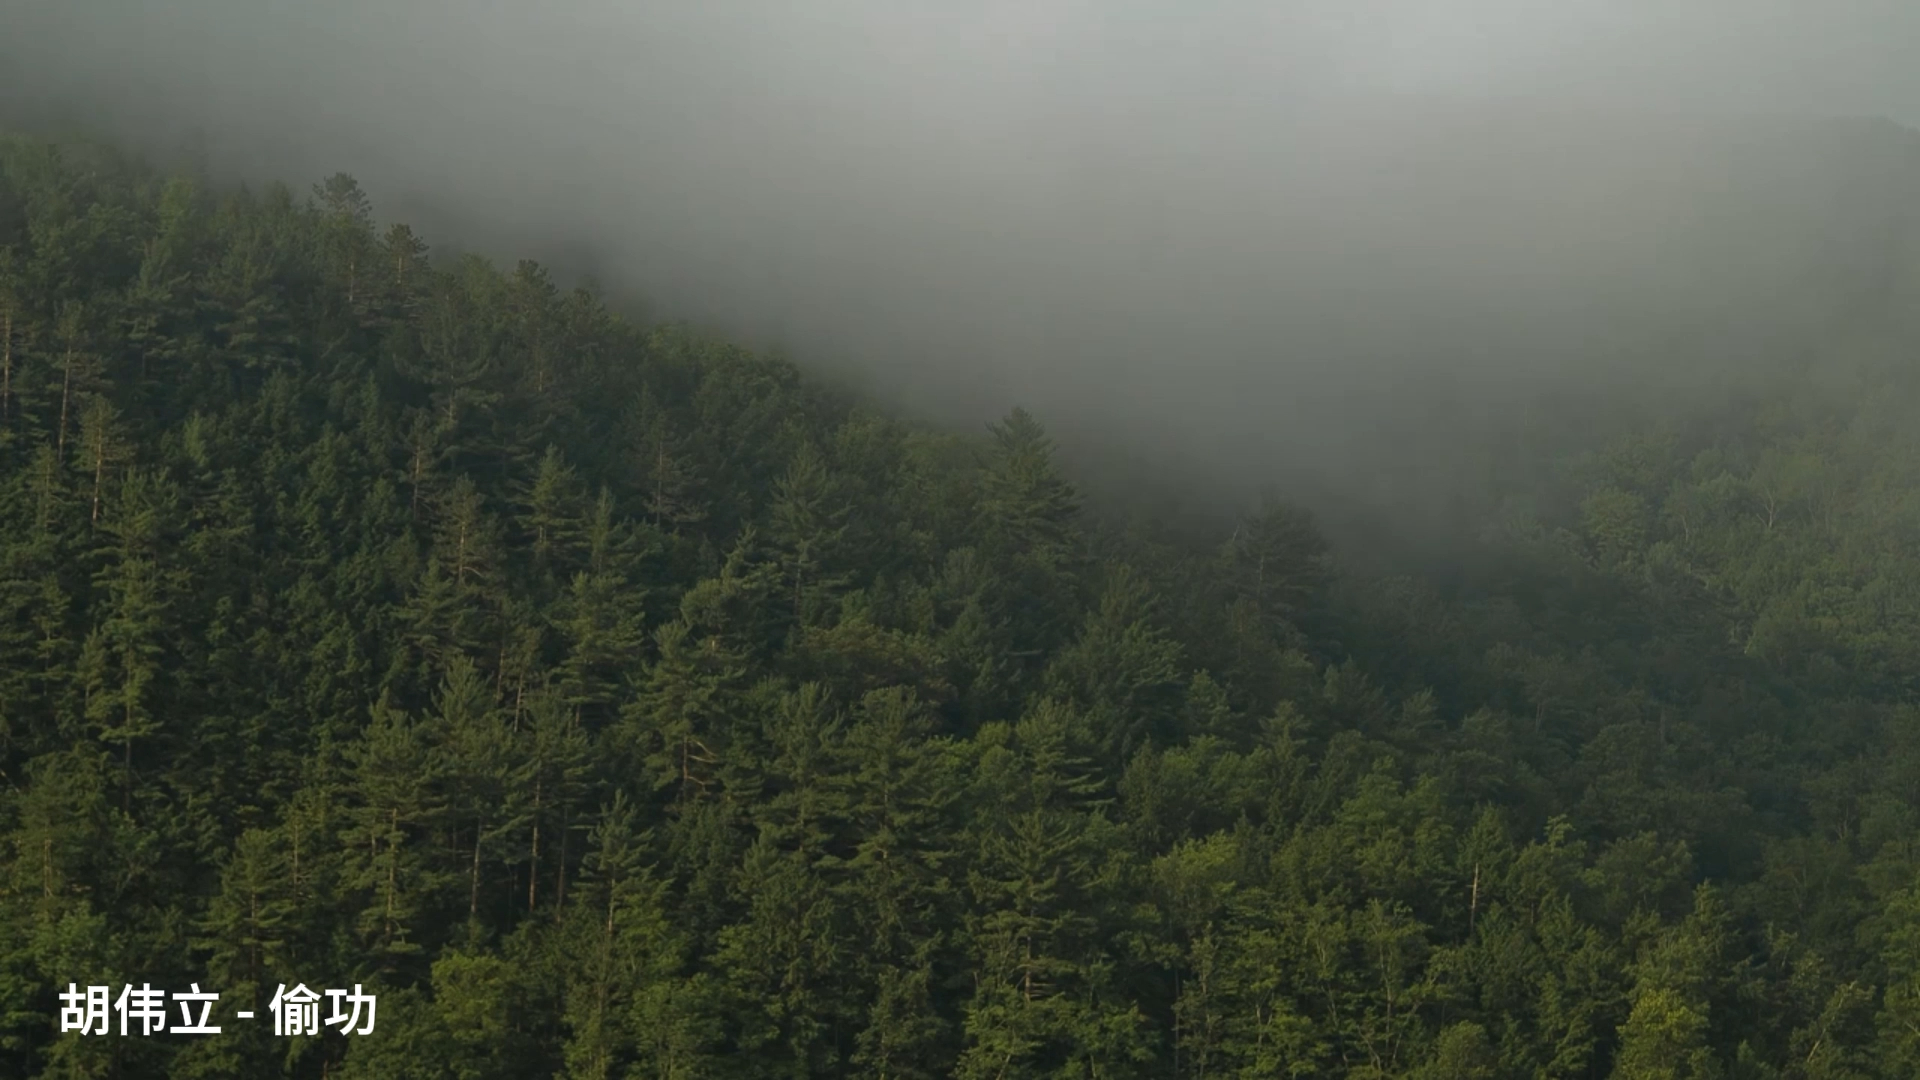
<point x="1327" y="246"/>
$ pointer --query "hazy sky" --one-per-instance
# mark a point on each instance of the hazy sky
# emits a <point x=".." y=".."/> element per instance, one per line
<point x="1216" y="232"/>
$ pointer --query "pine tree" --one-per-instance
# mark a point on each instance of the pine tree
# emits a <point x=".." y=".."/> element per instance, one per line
<point x="629" y="1009"/>
<point x="900" y="790"/>
<point x="1665" y="1034"/>
<point x="1123" y="672"/>
<point x="1277" y="562"/>
<point x="1042" y="999"/>
<point x="121" y="662"/>
<point x="473" y="760"/>
<point x="249" y="924"/>
<point x="551" y="515"/>
<point x="808" y="523"/>
<point x="663" y="467"/>
<point x="558" y="781"/>
<point x="348" y="235"/>
<point x="391" y="814"/>
<point x="599" y="620"/>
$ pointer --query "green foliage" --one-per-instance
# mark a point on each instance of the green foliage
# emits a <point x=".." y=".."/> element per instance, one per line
<point x="614" y="703"/>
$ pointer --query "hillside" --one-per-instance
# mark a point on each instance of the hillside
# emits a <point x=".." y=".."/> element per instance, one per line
<point x="612" y="701"/>
<point x="1363" y="300"/>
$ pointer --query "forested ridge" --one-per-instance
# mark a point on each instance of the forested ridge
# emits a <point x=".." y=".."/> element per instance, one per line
<point x="616" y="702"/>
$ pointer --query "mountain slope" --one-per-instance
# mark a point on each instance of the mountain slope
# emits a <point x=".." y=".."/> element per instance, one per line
<point x="613" y="701"/>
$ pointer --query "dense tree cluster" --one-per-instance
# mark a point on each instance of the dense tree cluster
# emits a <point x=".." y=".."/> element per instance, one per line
<point x="616" y="703"/>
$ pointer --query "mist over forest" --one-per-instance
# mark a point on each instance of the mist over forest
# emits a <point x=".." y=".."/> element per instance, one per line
<point x="1366" y="541"/>
<point x="1315" y="245"/>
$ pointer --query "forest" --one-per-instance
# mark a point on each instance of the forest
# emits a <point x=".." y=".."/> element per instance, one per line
<point x="614" y="701"/>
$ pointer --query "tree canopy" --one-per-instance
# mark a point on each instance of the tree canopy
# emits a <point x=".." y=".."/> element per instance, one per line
<point x="616" y="702"/>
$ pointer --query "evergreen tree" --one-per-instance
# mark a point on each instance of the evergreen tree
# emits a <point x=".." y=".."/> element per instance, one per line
<point x="612" y="701"/>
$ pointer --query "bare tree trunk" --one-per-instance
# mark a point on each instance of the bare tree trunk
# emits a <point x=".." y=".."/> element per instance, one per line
<point x="99" y="473"/>
<point x="473" y="891"/>
<point x="418" y="453"/>
<point x="1473" y="904"/>
<point x="66" y="388"/>
<point x="533" y="862"/>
